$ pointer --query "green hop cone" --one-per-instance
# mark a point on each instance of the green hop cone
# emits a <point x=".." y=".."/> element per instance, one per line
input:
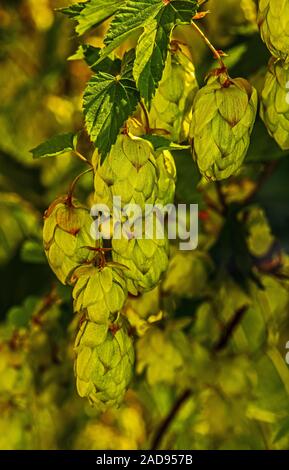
<point x="260" y="238"/>
<point x="129" y="172"/>
<point x="223" y="118"/>
<point x="104" y="362"/>
<point x="172" y="104"/>
<point x="18" y="378"/>
<point x="66" y="234"/>
<point x="275" y="104"/>
<point x="273" y="21"/>
<point x="146" y="257"/>
<point x="166" y="181"/>
<point x="101" y="291"/>
<point x="164" y="354"/>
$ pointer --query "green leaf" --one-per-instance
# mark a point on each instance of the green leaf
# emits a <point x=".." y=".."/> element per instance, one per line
<point x="32" y="252"/>
<point x="91" y="56"/>
<point x="156" y="19"/>
<point x="161" y="143"/>
<point x="73" y="10"/>
<point x="108" y="102"/>
<point x="20" y="316"/>
<point x="57" y="145"/>
<point x="283" y="430"/>
<point x="132" y="16"/>
<point x="90" y="14"/>
<point x="151" y="55"/>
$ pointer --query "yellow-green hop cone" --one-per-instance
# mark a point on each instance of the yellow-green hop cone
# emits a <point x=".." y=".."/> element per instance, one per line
<point x="101" y="291"/>
<point x="129" y="172"/>
<point x="166" y="180"/>
<point x="273" y="21"/>
<point x="104" y="362"/>
<point x="172" y="104"/>
<point x="146" y="260"/>
<point x="66" y="234"/>
<point x="224" y="113"/>
<point x="274" y="109"/>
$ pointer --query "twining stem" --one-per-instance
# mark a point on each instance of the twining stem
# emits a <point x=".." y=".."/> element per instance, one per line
<point x="216" y="53"/>
<point x="75" y="181"/>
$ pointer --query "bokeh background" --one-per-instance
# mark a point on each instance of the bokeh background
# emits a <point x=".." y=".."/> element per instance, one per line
<point x="212" y="387"/>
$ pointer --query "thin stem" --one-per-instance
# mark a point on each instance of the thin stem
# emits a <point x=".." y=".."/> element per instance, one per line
<point x="230" y="329"/>
<point x="75" y="181"/>
<point x="82" y="158"/>
<point x="169" y="419"/>
<point x="146" y="116"/>
<point x="217" y="55"/>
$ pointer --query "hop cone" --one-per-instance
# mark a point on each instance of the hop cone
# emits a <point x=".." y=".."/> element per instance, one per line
<point x="66" y="233"/>
<point x="129" y="171"/>
<point x="223" y="117"/>
<point x="166" y="182"/>
<point x="273" y="21"/>
<point x="99" y="291"/>
<point x="146" y="259"/>
<point x="104" y="362"/>
<point x="17" y="375"/>
<point x="172" y="104"/>
<point x="164" y="355"/>
<point x="274" y="103"/>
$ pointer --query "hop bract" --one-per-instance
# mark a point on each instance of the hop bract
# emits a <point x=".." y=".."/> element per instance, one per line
<point x="273" y="21"/>
<point x="146" y="258"/>
<point x="223" y="117"/>
<point x="275" y="104"/>
<point x="172" y="104"/>
<point x="104" y="362"/>
<point x="166" y="182"/>
<point x="66" y="236"/>
<point x="100" y="291"/>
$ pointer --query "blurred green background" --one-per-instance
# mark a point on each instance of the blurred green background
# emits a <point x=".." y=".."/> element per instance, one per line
<point x="239" y="383"/>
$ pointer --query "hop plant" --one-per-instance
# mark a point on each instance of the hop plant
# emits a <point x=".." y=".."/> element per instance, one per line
<point x="66" y="236"/>
<point x="172" y="104"/>
<point x="223" y="117"/>
<point x="162" y="354"/>
<point x="260" y="238"/>
<point x="274" y="102"/>
<point x="145" y="257"/>
<point x="101" y="291"/>
<point x="187" y="274"/>
<point x="273" y="21"/>
<point x="104" y="362"/>
<point x="14" y="367"/>
<point x="129" y="171"/>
